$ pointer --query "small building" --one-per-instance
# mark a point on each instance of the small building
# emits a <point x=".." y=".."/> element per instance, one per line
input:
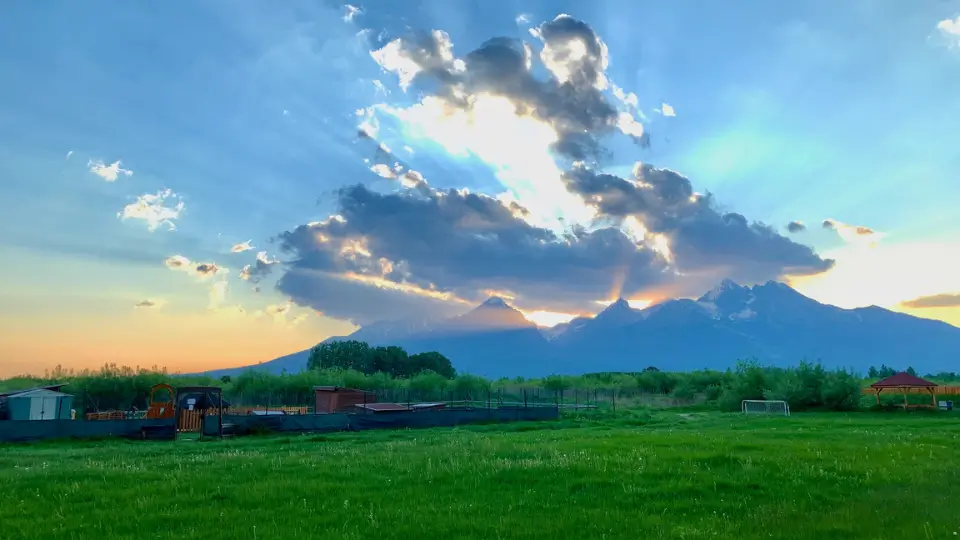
<point x="44" y="403"/>
<point x="906" y="383"/>
<point x="331" y="399"/>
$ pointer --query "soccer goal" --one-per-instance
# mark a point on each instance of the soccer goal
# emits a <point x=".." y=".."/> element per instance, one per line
<point x="765" y="406"/>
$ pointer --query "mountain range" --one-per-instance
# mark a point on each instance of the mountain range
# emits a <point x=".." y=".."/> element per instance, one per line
<point x="772" y="323"/>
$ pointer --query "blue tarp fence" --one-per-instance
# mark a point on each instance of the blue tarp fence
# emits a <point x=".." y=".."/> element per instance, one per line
<point x="24" y="431"/>
<point x="37" y="430"/>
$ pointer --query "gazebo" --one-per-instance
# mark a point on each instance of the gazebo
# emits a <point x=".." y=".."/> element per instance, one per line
<point x="905" y="382"/>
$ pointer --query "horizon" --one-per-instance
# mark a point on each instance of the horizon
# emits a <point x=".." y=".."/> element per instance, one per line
<point x="486" y="303"/>
<point x="271" y="178"/>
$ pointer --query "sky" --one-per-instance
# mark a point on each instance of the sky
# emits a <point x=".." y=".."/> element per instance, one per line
<point x="208" y="184"/>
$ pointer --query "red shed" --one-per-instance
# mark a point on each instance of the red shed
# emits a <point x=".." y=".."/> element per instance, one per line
<point x="332" y="399"/>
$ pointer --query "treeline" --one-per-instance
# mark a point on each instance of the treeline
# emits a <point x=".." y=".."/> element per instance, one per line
<point x="805" y="387"/>
<point x="885" y="371"/>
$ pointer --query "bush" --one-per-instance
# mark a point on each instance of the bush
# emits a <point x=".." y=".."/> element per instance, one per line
<point x="806" y="387"/>
<point x="840" y="392"/>
<point x="747" y="382"/>
<point x="684" y="391"/>
<point x="712" y="392"/>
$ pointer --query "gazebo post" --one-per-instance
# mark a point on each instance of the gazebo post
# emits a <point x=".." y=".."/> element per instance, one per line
<point x="933" y="397"/>
<point x="878" y="390"/>
<point x="905" y="404"/>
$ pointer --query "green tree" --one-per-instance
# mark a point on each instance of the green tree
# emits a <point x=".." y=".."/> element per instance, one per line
<point x="912" y="371"/>
<point x="432" y="361"/>
<point x="391" y="360"/>
<point x="341" y="354"/>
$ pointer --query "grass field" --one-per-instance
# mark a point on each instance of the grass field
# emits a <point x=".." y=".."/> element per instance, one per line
<point x="638" y="475"/>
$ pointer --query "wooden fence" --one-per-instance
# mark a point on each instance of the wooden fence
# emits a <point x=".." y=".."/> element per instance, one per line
<point x="190" y="421"/>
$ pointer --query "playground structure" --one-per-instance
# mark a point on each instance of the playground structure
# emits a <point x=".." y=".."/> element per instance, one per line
<point x="188" y="404"/>
<point x="162" y="402"/>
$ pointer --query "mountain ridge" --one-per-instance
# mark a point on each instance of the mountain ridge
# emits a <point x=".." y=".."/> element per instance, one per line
<point x="771" y="322"/>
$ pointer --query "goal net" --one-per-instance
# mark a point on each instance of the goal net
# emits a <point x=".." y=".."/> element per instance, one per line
<point x="763" y="406"/>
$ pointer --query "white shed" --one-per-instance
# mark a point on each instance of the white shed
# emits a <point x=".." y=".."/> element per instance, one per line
<point x="38" y="404"/>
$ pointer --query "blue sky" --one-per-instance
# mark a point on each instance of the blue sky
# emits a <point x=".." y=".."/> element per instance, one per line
<point x="784" y="111"/>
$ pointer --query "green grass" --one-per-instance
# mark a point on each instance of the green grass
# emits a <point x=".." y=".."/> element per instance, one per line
<point x="636" y="475"/>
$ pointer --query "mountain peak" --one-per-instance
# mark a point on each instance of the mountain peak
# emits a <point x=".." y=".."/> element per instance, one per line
<point x="618" y="313"/>
<point x="619" y="304"/>
<point x="725" y="286"/>
<point x="495" y="301"/>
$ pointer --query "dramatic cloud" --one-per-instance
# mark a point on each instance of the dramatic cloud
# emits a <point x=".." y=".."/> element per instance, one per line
<point x="350" y="12"/>
<point x="796" y="227"/>
<point x="935" y="301"/>
<point x="154" y="209"/>
<point x="206" y="270"/>
<point x="200" y="270"/>
<point x="241" y="247"/>
<point x="563" y="236"/>
<point x="854" y="234"/>
<point x="260" y="269"/>
<point x="177" y="262"/>
<point x="490" y="104"/>
<point x="110" y="173"/>
<point x="699" y="236"/>
<point x="950" y="30"/>
<point x="439" y="249"/>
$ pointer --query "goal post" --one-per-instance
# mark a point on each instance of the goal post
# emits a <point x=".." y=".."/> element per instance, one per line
<point x="765" y="406"/>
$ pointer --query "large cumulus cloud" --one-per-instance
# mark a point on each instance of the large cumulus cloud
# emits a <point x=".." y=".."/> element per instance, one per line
<point x="446" y="247"/>
<point x="701" y="236"/>
<point x="571" y="100"/>
<point x="421" y="249"/>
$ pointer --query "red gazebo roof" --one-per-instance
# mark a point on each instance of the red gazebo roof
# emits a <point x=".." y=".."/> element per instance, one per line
<point x="903" y="379"/>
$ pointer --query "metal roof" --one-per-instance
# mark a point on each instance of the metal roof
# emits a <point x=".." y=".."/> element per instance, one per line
<point x="340" y="389"/>
<point x="904" y="380"/>
<point x="52" y="388"/>
<point x="35" y="392"/>
<point x="383" y="407"/>
<point x="437" y="405"/>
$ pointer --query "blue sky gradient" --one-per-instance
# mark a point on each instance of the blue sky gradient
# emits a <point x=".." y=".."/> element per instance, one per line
<point x="784" y="111"/>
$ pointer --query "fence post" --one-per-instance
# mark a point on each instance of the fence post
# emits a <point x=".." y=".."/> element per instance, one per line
<point x="524" y="390"/>
<point x="488" y="399"/>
